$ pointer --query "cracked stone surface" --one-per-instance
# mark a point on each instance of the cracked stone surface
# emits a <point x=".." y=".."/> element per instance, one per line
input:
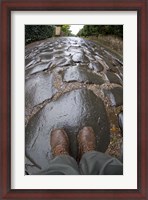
<point x="70" y="83"/>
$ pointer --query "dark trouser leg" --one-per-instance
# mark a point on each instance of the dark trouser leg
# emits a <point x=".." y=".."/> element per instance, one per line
<point x="97" y="163"/>
<point x="62" y="165"/>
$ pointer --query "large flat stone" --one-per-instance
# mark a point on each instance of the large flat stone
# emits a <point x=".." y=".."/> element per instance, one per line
<point x="37" y="68"/>
<point x="72" y="111"/>
<point x="38" y="88"/>
<point x="81" y="74"/>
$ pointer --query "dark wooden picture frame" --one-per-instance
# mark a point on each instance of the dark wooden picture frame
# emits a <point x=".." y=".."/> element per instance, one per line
<point x="141" y="6"/>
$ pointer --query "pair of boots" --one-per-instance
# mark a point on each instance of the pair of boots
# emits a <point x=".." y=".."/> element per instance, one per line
<point x="60" y="143"/>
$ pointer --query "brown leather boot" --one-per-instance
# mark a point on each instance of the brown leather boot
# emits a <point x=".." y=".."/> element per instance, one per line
<point x="86" y="141"/>
<point x="59" y="142"/>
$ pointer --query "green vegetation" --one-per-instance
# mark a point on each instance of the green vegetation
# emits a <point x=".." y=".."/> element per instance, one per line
<point x="66" y="30"/>
<point x="40" y="32"/>
<point x="112" y="43"/>
<point x="107" y="36"/>
<point x="96" y="30"/>
<point x="37" y="32"/>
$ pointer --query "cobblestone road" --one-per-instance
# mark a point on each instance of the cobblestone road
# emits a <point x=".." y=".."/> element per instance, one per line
<point x="70" y="83"/>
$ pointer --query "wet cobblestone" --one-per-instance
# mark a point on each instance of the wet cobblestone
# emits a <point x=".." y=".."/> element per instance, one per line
<point x="71" y="83"/>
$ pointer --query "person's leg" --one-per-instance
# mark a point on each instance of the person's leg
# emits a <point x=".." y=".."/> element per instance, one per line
<point x="62" y="163"/>
<point x="97" y="163"/>
<point x="93" y="162"/>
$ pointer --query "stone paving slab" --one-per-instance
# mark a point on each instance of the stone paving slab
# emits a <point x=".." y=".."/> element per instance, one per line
<point x="72" y="111"/>
<point x="81" y="74"/>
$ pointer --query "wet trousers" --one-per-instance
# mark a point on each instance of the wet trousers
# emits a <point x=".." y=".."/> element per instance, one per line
<point x="91" y="163"/>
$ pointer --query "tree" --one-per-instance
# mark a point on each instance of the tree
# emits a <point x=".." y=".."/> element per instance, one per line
<point x="38" y="32"/>
<point x="66" y="30"/>
<point x="95" y="30"/>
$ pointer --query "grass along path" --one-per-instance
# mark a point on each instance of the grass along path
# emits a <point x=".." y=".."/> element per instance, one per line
<point x="111" y="43"/>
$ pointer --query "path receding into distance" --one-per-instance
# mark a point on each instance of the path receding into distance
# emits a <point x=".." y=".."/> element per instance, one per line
<point x="70" y="83"/>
